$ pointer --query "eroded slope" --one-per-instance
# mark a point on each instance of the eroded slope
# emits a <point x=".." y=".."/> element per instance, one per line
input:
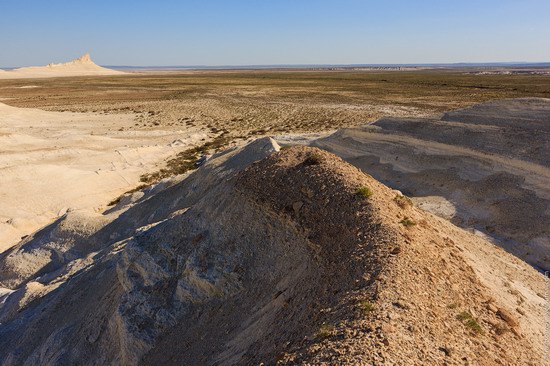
<point x="485" y="168"/>
<point x="297" y="258"/>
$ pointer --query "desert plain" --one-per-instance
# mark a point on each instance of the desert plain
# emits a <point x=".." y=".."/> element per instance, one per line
<point x="279" y="216"/>
<point x="80" y="142"/>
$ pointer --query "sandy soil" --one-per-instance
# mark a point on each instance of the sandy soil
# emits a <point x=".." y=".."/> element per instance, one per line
<point x="51" y="162"/>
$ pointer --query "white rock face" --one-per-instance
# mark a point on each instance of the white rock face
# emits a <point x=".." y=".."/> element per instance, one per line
<point x="175" y="236"/>
<point x="82" y="66"/>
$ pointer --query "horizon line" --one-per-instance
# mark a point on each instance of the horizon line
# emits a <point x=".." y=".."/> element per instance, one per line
<point x="328" y="65"/>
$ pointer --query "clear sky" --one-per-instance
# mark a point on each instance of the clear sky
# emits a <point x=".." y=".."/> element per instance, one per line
<point x="255" y="32"/>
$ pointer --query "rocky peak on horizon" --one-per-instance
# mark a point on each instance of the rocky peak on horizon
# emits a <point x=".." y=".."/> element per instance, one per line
<point x="85" y="58"/>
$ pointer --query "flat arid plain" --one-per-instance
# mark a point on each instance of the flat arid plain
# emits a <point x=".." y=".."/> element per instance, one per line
<point x="290" y="216"/>
<point x="129" y="126"/>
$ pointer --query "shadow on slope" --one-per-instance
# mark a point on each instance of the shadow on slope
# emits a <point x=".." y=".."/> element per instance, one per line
<point x="260" y="256"/>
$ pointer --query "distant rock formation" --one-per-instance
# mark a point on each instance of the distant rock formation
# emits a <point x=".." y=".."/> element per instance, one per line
<point x="82" y="66"/>
<point x="82" y="60"/>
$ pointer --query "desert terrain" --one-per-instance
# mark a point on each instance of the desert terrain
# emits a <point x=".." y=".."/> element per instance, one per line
<point x="193" y="113"/>
<point x="322" y="265"/>
<point x="52" y="162"/>
<point x="221" y="217"/>
<point x="485" y="168"/>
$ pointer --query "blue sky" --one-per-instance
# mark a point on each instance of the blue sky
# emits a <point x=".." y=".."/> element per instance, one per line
<point x="246" y="32"/>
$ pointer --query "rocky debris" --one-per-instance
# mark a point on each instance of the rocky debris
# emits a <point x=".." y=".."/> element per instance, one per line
<point x="507" y="317"/>
<point x="260" y="256"/>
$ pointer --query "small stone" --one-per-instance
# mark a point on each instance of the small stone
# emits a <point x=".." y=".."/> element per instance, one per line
<point x="516" y="332"/>
<point x="400" y="304"/>
<point x="492" y="307"/>
<point x="296" y="206"/>
<point x="447" y="350"/>
<point x="520" y="310"/>
<point x="501" y="330"/>
<point x="396" y="250"/>
<point x="507" y="317"/>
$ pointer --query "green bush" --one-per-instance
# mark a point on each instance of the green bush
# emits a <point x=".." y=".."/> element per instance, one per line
<point x="365" y="192"/>
<point x="468" y="320"/>
<point x="367" y="306"/>
<point x="407" y="222"/>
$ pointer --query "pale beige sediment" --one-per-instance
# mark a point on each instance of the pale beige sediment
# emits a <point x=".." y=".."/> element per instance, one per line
<point x="51" y="162"/>
<point x="82" y="66"/>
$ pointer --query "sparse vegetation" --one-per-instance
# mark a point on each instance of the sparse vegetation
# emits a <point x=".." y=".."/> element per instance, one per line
<point x="325" y="331"/>
<point x="469" y="321"/>
<point x="407" y="222"/>
<point x="185" y="160"/>
<point x="367" y="306"/>
<point x="365" y="192"/>
<point x="452" y="306"/>
<point x="117" y="200"/>
<point x="403" y="201"/>
<point x="146" y="97"/>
